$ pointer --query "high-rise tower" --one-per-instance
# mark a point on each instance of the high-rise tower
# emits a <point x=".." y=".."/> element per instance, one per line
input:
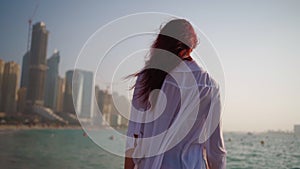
<point x="2" y="63"/>
<point x="38" y="65"/>
<point x="68" y="99"/>
<point x="60" y="94"/>
<point x="78" y="93"/>
<point x="52" y="80"/>
<point x="25" y="69"/>
<point x="10" y="84"/>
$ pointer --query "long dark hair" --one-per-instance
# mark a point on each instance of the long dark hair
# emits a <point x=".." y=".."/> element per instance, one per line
<point x="176" y="36"/>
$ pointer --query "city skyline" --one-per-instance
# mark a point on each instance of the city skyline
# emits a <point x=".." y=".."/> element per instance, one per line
<point x="81" y="92"/>
<point x="258" y="49"/>
<point x="43" y="95"/>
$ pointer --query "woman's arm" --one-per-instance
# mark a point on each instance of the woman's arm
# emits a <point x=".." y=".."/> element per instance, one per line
<point x="215" y="150"/>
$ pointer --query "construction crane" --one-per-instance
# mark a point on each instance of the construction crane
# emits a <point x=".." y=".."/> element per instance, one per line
<point x="30" y="23"/>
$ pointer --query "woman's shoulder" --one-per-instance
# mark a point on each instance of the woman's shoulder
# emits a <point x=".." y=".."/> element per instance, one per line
<point x="192" y="69"/>
<point x="187" y="66"/>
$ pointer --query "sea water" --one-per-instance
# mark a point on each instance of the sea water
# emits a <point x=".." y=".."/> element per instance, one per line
<point x="72" y="149"/>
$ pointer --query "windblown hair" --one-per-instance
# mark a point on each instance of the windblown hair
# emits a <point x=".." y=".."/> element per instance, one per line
<point x="177" y="35"/>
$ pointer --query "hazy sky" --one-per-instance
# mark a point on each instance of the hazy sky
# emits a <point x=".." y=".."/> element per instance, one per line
<point x="258" y="43"/>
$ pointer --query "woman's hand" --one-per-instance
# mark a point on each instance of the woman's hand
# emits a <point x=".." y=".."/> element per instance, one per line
<point x="129" y="164"/>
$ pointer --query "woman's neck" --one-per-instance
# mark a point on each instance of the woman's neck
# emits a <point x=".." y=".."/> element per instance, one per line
<point x="189" y="58"/>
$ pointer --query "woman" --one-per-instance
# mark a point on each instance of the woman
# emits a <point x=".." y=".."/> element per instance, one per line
<point x="177" y="127"/>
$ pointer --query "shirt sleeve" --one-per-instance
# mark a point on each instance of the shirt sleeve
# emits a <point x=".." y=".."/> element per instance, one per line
<point x="215" y="148"/>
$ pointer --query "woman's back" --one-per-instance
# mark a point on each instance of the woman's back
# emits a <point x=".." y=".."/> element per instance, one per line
<point x="184" y="125"/>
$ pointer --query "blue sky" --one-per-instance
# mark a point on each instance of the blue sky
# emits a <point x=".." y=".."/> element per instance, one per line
<point x="257" y="42"/>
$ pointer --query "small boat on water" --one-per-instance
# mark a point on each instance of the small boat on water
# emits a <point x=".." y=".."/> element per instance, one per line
<point x="297" y="130"/>
<point x="111" y="137"/>
<point x="249" y="133"/>
<point x="84" y="134"/>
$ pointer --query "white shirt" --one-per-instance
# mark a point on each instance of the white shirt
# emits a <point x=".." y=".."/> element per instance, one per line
<point x="184" y="121"/>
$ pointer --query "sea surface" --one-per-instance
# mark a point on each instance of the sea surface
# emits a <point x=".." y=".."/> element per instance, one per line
<point x="72" y="149"/>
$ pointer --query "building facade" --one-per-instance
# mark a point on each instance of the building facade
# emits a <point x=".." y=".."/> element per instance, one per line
<point x="51" y="85"/>
<point x="107" y="108"/>
<point x="99" y="94"/>
<point x="25" y="69"/>
<point x="21" y="103"/>
<point x="10" y="83"/>
<point x="60" y="94"/>
<point x="2" y="63"/>
<point x="68" y="100"/>
<point x="78" y="93"/>
<point x="87" y="94"/>
<point x="37" y="65"/>
<point x="98" y="106"/>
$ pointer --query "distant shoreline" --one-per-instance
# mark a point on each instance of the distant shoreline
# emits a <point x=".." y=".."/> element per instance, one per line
<point x="77" y="127"/>
<point x="36" y="127"/>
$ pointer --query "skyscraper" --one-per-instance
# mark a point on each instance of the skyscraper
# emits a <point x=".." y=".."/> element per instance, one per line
<point x="68" y="100"/>
<point x="98" y="106"/>
<point x="107" y="108"/>
<point x="99" y="94"/>
<point x="87" y="95"/>
<point x="21" y="103"/>
<point x="10" y="84"/>
<point x="38" y="65"/>
<point x="60" y="94"/>
<point x="79" y="92"/>
<point x="52" y="80"/>
<point x="25" y="69"/>
<point x="2" y="63"/>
